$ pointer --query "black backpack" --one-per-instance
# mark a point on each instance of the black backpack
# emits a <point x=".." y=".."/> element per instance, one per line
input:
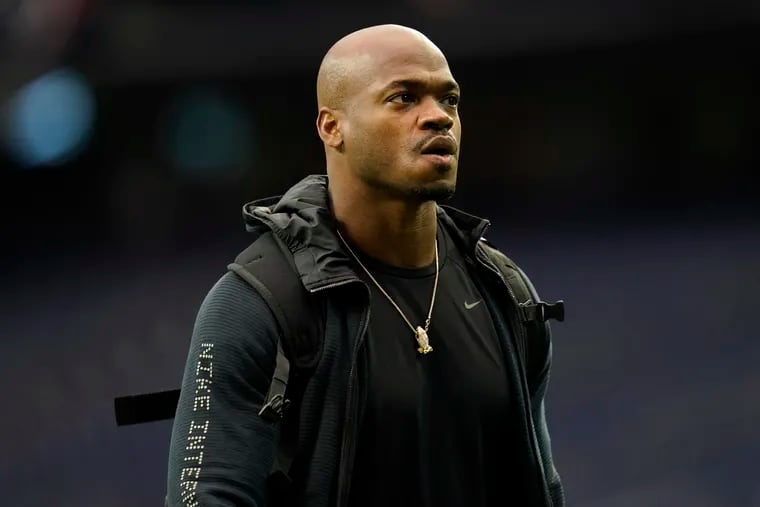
<point x="267" y="264"/>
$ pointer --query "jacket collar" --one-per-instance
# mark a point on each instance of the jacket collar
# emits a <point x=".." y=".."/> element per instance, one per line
<point x="302" y="219"/>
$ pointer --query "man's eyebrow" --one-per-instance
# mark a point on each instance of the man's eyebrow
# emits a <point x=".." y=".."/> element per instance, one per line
<point x="447" y="85"/>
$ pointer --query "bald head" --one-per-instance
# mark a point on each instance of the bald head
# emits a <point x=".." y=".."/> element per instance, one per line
<point x="349" y="64"/>
<point x="384" y="93"/>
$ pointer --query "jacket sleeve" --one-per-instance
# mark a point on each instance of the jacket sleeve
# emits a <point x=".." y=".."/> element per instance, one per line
<point x="538" y="387"/>
<point x="221" y="451"/>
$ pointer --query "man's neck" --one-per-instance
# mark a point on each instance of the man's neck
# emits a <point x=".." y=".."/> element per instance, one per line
<point x="395" y="232"/>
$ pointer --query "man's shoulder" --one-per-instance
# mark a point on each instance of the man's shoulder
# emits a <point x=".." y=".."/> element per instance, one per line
<point x="231" y="295"/>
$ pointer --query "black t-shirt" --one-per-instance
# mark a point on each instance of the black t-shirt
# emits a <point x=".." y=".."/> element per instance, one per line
<point x="436" y="430"/>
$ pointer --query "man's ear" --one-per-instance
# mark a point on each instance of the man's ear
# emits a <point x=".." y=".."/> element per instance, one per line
<point x="328" y="127"/>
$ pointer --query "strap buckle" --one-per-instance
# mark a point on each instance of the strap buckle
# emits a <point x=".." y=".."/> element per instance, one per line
<point x="275" y="408"/>
<point x="542" y="311"/>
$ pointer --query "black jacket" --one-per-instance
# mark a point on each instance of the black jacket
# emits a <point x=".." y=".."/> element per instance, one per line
<point x="222" y="452"/>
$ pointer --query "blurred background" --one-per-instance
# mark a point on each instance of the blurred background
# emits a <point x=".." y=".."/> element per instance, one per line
<point x="611" y="145"/>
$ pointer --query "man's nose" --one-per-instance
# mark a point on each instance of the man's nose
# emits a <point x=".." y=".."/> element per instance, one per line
<point x="435" y="116"/>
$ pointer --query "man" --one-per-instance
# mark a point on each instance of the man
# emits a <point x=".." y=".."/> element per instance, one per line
<point x="417" y="398"/>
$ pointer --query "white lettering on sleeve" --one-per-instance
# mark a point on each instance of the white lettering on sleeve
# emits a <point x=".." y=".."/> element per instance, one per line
<point x="198" y="431"/>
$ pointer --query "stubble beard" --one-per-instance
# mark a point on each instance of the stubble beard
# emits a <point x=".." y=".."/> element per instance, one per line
<point x="437" y="191"/>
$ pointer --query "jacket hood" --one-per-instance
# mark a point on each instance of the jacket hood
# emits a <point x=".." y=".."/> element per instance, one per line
<point x="303" y="220"/>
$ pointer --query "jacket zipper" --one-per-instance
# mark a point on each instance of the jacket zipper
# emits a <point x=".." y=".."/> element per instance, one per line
<point x="513" y="317"/>
<point x="349" y="424"/>
<point x="347" y="442"/>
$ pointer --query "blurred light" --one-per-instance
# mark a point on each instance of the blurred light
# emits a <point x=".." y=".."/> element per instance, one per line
<point x="207" y="135"/>
<point x="50" y="119"/>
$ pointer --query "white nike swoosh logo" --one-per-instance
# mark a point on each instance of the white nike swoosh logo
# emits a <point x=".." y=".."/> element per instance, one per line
<point x="473" y="305"/>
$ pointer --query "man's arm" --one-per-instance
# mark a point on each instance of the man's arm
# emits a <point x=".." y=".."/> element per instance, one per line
<point x="221" y="450"/>
<point x="538" y="387"/>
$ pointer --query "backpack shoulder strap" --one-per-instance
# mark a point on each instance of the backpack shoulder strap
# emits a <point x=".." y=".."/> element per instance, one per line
<point x="533" y="312"/>
<point x="531" y="306"/>
<point x="267" y="264"/>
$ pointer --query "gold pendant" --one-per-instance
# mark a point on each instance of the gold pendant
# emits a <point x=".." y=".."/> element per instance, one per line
<point x="422" y="340"/>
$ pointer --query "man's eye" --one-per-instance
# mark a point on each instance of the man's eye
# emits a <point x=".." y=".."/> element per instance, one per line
<point x="452" y="100"/>
<point x="404" y="98"/>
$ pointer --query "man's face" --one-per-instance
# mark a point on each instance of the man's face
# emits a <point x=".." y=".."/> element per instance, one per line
<point x="402" y="130"/>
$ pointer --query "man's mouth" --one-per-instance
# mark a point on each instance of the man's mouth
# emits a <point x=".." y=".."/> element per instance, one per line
<point x="441" y="146"/>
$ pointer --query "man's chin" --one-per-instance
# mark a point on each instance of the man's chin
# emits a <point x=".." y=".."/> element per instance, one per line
<point x="439" y="187"/>
<point x="438" y="192"/>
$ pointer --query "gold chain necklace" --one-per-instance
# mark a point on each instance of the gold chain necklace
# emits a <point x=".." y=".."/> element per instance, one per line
<point x="420" y="333"/>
